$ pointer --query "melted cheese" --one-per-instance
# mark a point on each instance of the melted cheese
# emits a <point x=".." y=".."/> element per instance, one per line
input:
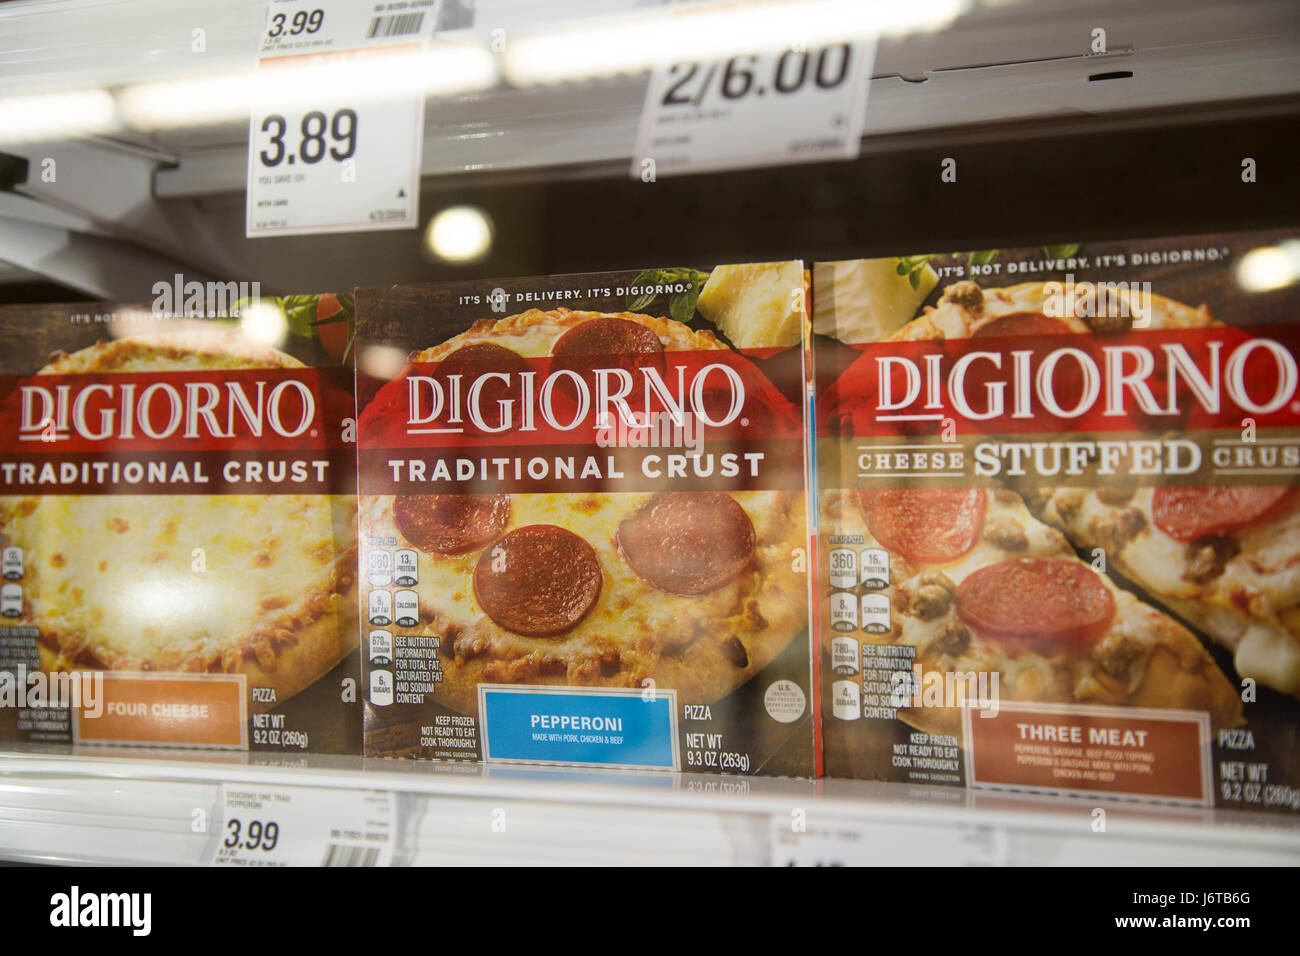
<point x="630" y="617"/>
<point x="172" y="580"/>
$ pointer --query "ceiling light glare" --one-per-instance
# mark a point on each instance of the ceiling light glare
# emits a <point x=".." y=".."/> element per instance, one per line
<point x="302" y="83"/>
<point x="44" y="117"/>
<point x="637" y="42"/>
<point x="1269" y="267"/>
<point x="265" y="323"/>
<point x="460" y="234"/>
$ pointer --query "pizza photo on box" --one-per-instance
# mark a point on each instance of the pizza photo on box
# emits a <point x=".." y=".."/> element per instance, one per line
<point x="177" y="519"/>
<point x="599" y="507"/>
<point x="1082" y="487"/>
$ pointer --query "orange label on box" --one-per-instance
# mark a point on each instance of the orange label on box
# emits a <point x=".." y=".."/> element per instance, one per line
<point x="1123" y="751"/>
<point x="205" y="710"/>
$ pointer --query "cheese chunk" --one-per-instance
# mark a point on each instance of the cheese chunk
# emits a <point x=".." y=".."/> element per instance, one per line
<point x="759" y="305"/>
<point x="865" y="300"/>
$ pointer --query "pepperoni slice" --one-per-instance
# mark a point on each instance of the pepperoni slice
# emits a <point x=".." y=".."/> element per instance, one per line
<point x="472" y="361"/>
<point x="1186" y="514"/>
<point x="1032" y="602"/>
<point x="539" y="580"/>
<point x="451" y="524"/>
<point x="1022" y="323"/>
<point x="607" y="336"/>
<point x="688" y="542"/>
<point x="929" y="525"/>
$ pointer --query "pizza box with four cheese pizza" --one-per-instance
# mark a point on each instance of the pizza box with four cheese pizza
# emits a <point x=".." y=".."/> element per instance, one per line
<point x="177" y="522"/>
<point x="1058" y="537"/>
<point x="582" y="520"/>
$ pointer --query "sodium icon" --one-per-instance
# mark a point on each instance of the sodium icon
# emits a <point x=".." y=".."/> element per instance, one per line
<point x="11" y="600"/>
<point x="844" y="655"/>
<point x="381" y="648"/>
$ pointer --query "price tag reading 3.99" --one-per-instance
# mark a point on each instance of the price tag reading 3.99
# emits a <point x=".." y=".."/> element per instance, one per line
<point x="269" y="825"/>
<point x="802" y="104"/>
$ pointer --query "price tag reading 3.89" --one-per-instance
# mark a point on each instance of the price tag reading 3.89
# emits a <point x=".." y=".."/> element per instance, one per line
<point x="310" y="144"/>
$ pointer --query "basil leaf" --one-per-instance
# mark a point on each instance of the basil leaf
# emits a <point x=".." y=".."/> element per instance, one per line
<point x="682" y="305"/>
<point x="1062" y="252"/>
<point x="300" y="310"/>
<point x="983" y="258"/>
<point x="635" y="303"/>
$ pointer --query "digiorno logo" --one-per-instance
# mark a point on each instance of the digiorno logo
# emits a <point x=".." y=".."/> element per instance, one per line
<point x="97" y="411"/>
<point x="712" y="394"/>
<point x="1255" y="376"/>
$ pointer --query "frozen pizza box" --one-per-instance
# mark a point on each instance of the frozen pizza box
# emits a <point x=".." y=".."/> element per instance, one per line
<point x="1057" y="531"/>
<point x="177" y="522"/>
<point x="582" y="519"/>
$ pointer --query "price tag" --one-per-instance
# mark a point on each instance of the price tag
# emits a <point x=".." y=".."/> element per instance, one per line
<point x="803" y="104"/>
<point x="830" y="842"/>
<point x="336" y="133"/>
<point x="835" y="844"/>
<point x="304" y="826"/>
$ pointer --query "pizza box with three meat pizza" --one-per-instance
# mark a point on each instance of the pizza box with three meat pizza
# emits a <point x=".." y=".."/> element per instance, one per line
<point x="582" y="520"/>
<point x="1058" y="539"/>
<point x="177" y="509"/>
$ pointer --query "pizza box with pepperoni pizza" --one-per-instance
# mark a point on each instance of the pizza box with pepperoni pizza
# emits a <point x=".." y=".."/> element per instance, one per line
<point x="1058" y="538"/>
<point x="177" y="509"/>
<point x="583" y="520"/>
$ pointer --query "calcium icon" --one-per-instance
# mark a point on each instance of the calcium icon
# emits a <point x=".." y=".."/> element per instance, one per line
<point x="406" y="609"/>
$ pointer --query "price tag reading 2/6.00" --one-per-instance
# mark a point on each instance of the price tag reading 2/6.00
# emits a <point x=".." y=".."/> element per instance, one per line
<point x="303" y="826"/>
<point x="336" y="133"/>
<point x="802" y="104"/>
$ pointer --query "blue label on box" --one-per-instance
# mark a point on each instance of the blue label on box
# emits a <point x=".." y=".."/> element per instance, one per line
<point x="599" y="727"/>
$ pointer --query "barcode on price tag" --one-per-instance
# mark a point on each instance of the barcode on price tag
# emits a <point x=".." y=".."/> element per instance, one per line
<point x="336" y="135"/>
<point x="302" y="826"/>
<point x="397" y="25"/>
<point x="800" y="104"/>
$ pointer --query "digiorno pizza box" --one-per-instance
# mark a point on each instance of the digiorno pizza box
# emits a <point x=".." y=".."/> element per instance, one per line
<point x="583" y="523"/>
<point x="1057" y="528"/>
<point x="177" y="523"/>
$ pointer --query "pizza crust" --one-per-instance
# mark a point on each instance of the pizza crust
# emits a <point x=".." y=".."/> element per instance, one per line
<point x="532" y="334"/>
<point x="965" y="308"/>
